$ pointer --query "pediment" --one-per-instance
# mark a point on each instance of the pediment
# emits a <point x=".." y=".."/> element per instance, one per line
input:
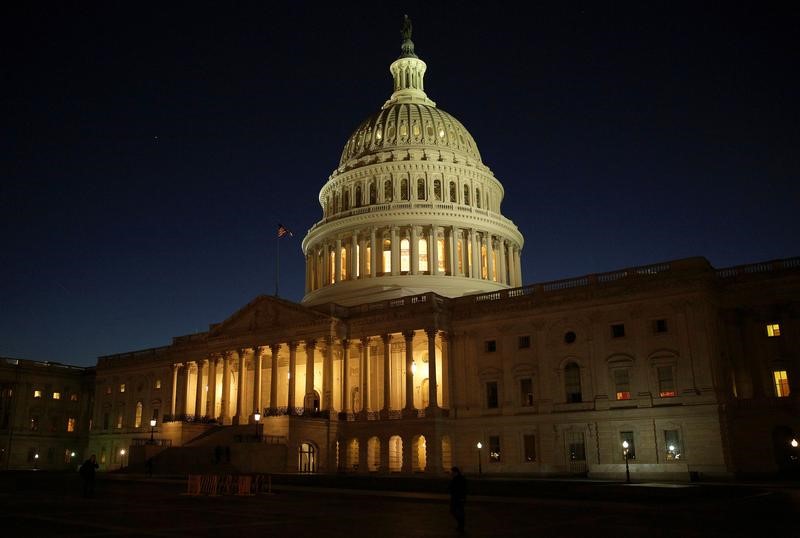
<point x="268" y="314"/>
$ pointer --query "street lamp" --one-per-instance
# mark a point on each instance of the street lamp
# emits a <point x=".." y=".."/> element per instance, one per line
<point x="793" y="442"/>
<point x="480" y="446"/>
<point x="152" y="429"/>
<point x="625" y="446"/>
<point x="257" y="418"/>
<point x="122" y="458"/>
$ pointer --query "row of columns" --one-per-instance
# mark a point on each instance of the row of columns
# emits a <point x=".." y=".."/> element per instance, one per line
<point x="368" y="243"/>
<point x="209" y="368"/>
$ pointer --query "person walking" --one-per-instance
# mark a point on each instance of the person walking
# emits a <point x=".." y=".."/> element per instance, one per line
<point x="458" y="496"/>
<point x="87" y="471"/>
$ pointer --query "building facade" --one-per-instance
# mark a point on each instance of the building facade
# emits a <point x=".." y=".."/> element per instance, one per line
<point x="417" y="345"/>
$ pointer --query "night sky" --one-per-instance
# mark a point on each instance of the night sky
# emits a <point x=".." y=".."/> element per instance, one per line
<point x="149" y="150"/>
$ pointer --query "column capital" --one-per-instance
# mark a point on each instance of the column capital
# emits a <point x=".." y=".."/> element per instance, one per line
<point x="311" y="344"/>
<point x="257" y="350"/>
<point x="431" y="332"/>
<point x="409" y="335"/>
<point x="387" y="338"/>
<point x="293" y="345"/>
<point x="365" y="341"/>
<point x="275" y="348"/>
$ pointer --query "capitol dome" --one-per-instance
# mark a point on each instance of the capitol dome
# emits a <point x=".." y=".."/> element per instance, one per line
<point x="411" y="208"/>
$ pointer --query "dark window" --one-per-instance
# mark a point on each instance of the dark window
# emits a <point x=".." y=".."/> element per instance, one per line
<point x="526" y="392"/>
<point x="618" y="330"/>
<point x="660" y="326"/>
<point x="494" y="448"/>
<point x="524" y="342"/>
<point x="491" y="346"/>
<point x="666" y="384"/>
<point x="569" y="337"/>
<point x="628" y="436"/>
<point x="572" y="383"/>
<point x="105" y="421"/>
<point x="529" y="448"/>
<point x="491" y="395"/>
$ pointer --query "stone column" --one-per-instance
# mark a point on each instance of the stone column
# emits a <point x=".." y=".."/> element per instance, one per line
<point x="475" y="270"/>
<point x="433" y="399"/>
<point x="362" y="258"/>
<point x="338" y="257"/>
<point x="363" y="373"/>
<point x="240" y="418"/>
<point x="345" y="376"/>
<point x="387" y="386"/>
<point x="290" y="399"/>
<point x="395" y="252"/>
<point x="175" y="390"/>
<point x="453" y="252"/>
<point x="326" y="265"/>
<point x="502" y="257"/>
<point x="373" y="253"/>
<point x="225" y="401"/>
<point x="518" y="265"/>
<point x="273" y="377"/>
<point x="211" y="397"/>
<point x="489" y="240"/>
<point x="433" y="248"/>
<point x="327" y="375"/>
<point x="310" y="347"/>
<point x="187" y="372"/>
<point x="414" y="250"/>
<point x="447" y="370"/>
<point x="198" y="400"/>
<point x="409" y="407"/>
<point x="257" y="365"/>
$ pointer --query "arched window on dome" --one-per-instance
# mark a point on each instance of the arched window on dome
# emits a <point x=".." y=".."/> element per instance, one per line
<point x="405" y="255"/>
<point x="478" y="198"/>
<point x="466" y="194"/>
<point x="453" y="192"/>
<point x="437" y="190"/>
<point x="346" y="200"/>
<point x="358" y="196"/>
<point x="335" y="202"/>
<point x="420" y="189"/>
<point x="387" y="190"/>
<point x="373" y="193"/>
<point x="404" y="189"/>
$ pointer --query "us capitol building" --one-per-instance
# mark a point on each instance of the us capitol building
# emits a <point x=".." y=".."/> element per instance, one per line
<point x="418" y="346"/>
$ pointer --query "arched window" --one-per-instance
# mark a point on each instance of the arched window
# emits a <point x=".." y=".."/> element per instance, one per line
<point x="387" y="256"/>
<point x="437" y="190"/>
<point x="420" y="189"/>
<point x="358" y="196"/>
<point x="306" y="458"/>
<point x="453" y="191"/>
<point x="346" y="200"/>
<point x="404" y="189"/>
<point x="387" y="190"/>
<point x="466" y="194"/>
<point x="572" y="383"/>
<point x="478" y="198"/>
<point x="335" y="202"/>
<point x="419" y="454"/>
<point x="137" y="423"/>
<point x="405" y="255"/>
<point x="395" y="454"/>
<point x="373" y="193"/>
<point x="352" y="454"/>
<point x="373" y="454"/>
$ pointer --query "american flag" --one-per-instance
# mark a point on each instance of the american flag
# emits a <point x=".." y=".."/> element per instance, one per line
<point x="283" y="231"/>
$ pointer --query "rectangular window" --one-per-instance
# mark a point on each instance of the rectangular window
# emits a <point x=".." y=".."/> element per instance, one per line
<point x="105" y="421"/>
<point x="672" y="445"/>
<point x="494" y="448"/>
<point x="773" y="329"/>
<point x="73" y="397"/>
<point x="618" y="330"/>
<point x="666" y="384"/>
<point x="622" y="383"/>
<point x="660" y="326"/>
<point x="33" y="454"/>
<point x="37" y="394"/>
<point x="51" y="454"/>
<point x="108" y="389"/>
<point x="56" y="395"/>
<point x="490" y="346"/>
<point x="34" y="424"/>
<point x="491" y="395"/>
<point x="71" y="424"/>
<point x="577" y="446"/>
<point x="54" y="423"/>
<point x="67" y="456"/>
<point x="119" y="421"/>
<point x="122" y="387"/>
<point x="529" y="448"/>
<point x="157" y="384"/>
<point x="526" y="392"/>
<point x="781" y="383"/>
<point x="524" y="342"/>
<point x="627" y="436"/>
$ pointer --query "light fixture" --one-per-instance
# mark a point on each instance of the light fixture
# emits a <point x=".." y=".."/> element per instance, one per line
<point x="122" y="452"/>
<point x="71" y="454"/>
<point x="793" y="442"/>
<point x="671" y="448"/>
<point x="36" y="456"/>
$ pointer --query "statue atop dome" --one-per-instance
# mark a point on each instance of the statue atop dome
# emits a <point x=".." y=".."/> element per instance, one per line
<point x="408" y="45"/>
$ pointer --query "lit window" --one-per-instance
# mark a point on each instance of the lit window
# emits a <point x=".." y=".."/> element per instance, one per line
<point x="524" y="342"/>
<point x="122" y="387"/>
<point x="71" y="424"/>
<point x="56" y="395"/>
<point x="157" y="384"/>
<point x="37" y="394"/>
<point x="666" y="384"/>
<point x="491" y="395"/>
<point x="73" y="397"/>
<point x="628" y="436"/>
<point x="490" y="346"/>
<point x="529" y="447"/>
<point x="773" y="329"/>
<point x="622" y="383"/>
<point x="494" y="448"/>
<point x="387" y="256"/>
<point x="423" y="254"/>
<point x="781" y="383"/>
<point x="119" y="421"/>
<point x="526" y="392"/>
<point x="618" y="330"/>
<point x="405" y="255"/>
<point x="672" y="445"/>
<point x="378" y="133"/>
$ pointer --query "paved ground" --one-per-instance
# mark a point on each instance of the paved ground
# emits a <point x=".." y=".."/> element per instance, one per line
<point x="41" y="504"/>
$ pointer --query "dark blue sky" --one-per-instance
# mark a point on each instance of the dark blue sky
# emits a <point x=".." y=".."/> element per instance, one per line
<point x="624" y="134"/>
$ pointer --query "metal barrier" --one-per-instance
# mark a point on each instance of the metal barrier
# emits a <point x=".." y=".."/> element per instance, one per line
<point x="239" y="485"/>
